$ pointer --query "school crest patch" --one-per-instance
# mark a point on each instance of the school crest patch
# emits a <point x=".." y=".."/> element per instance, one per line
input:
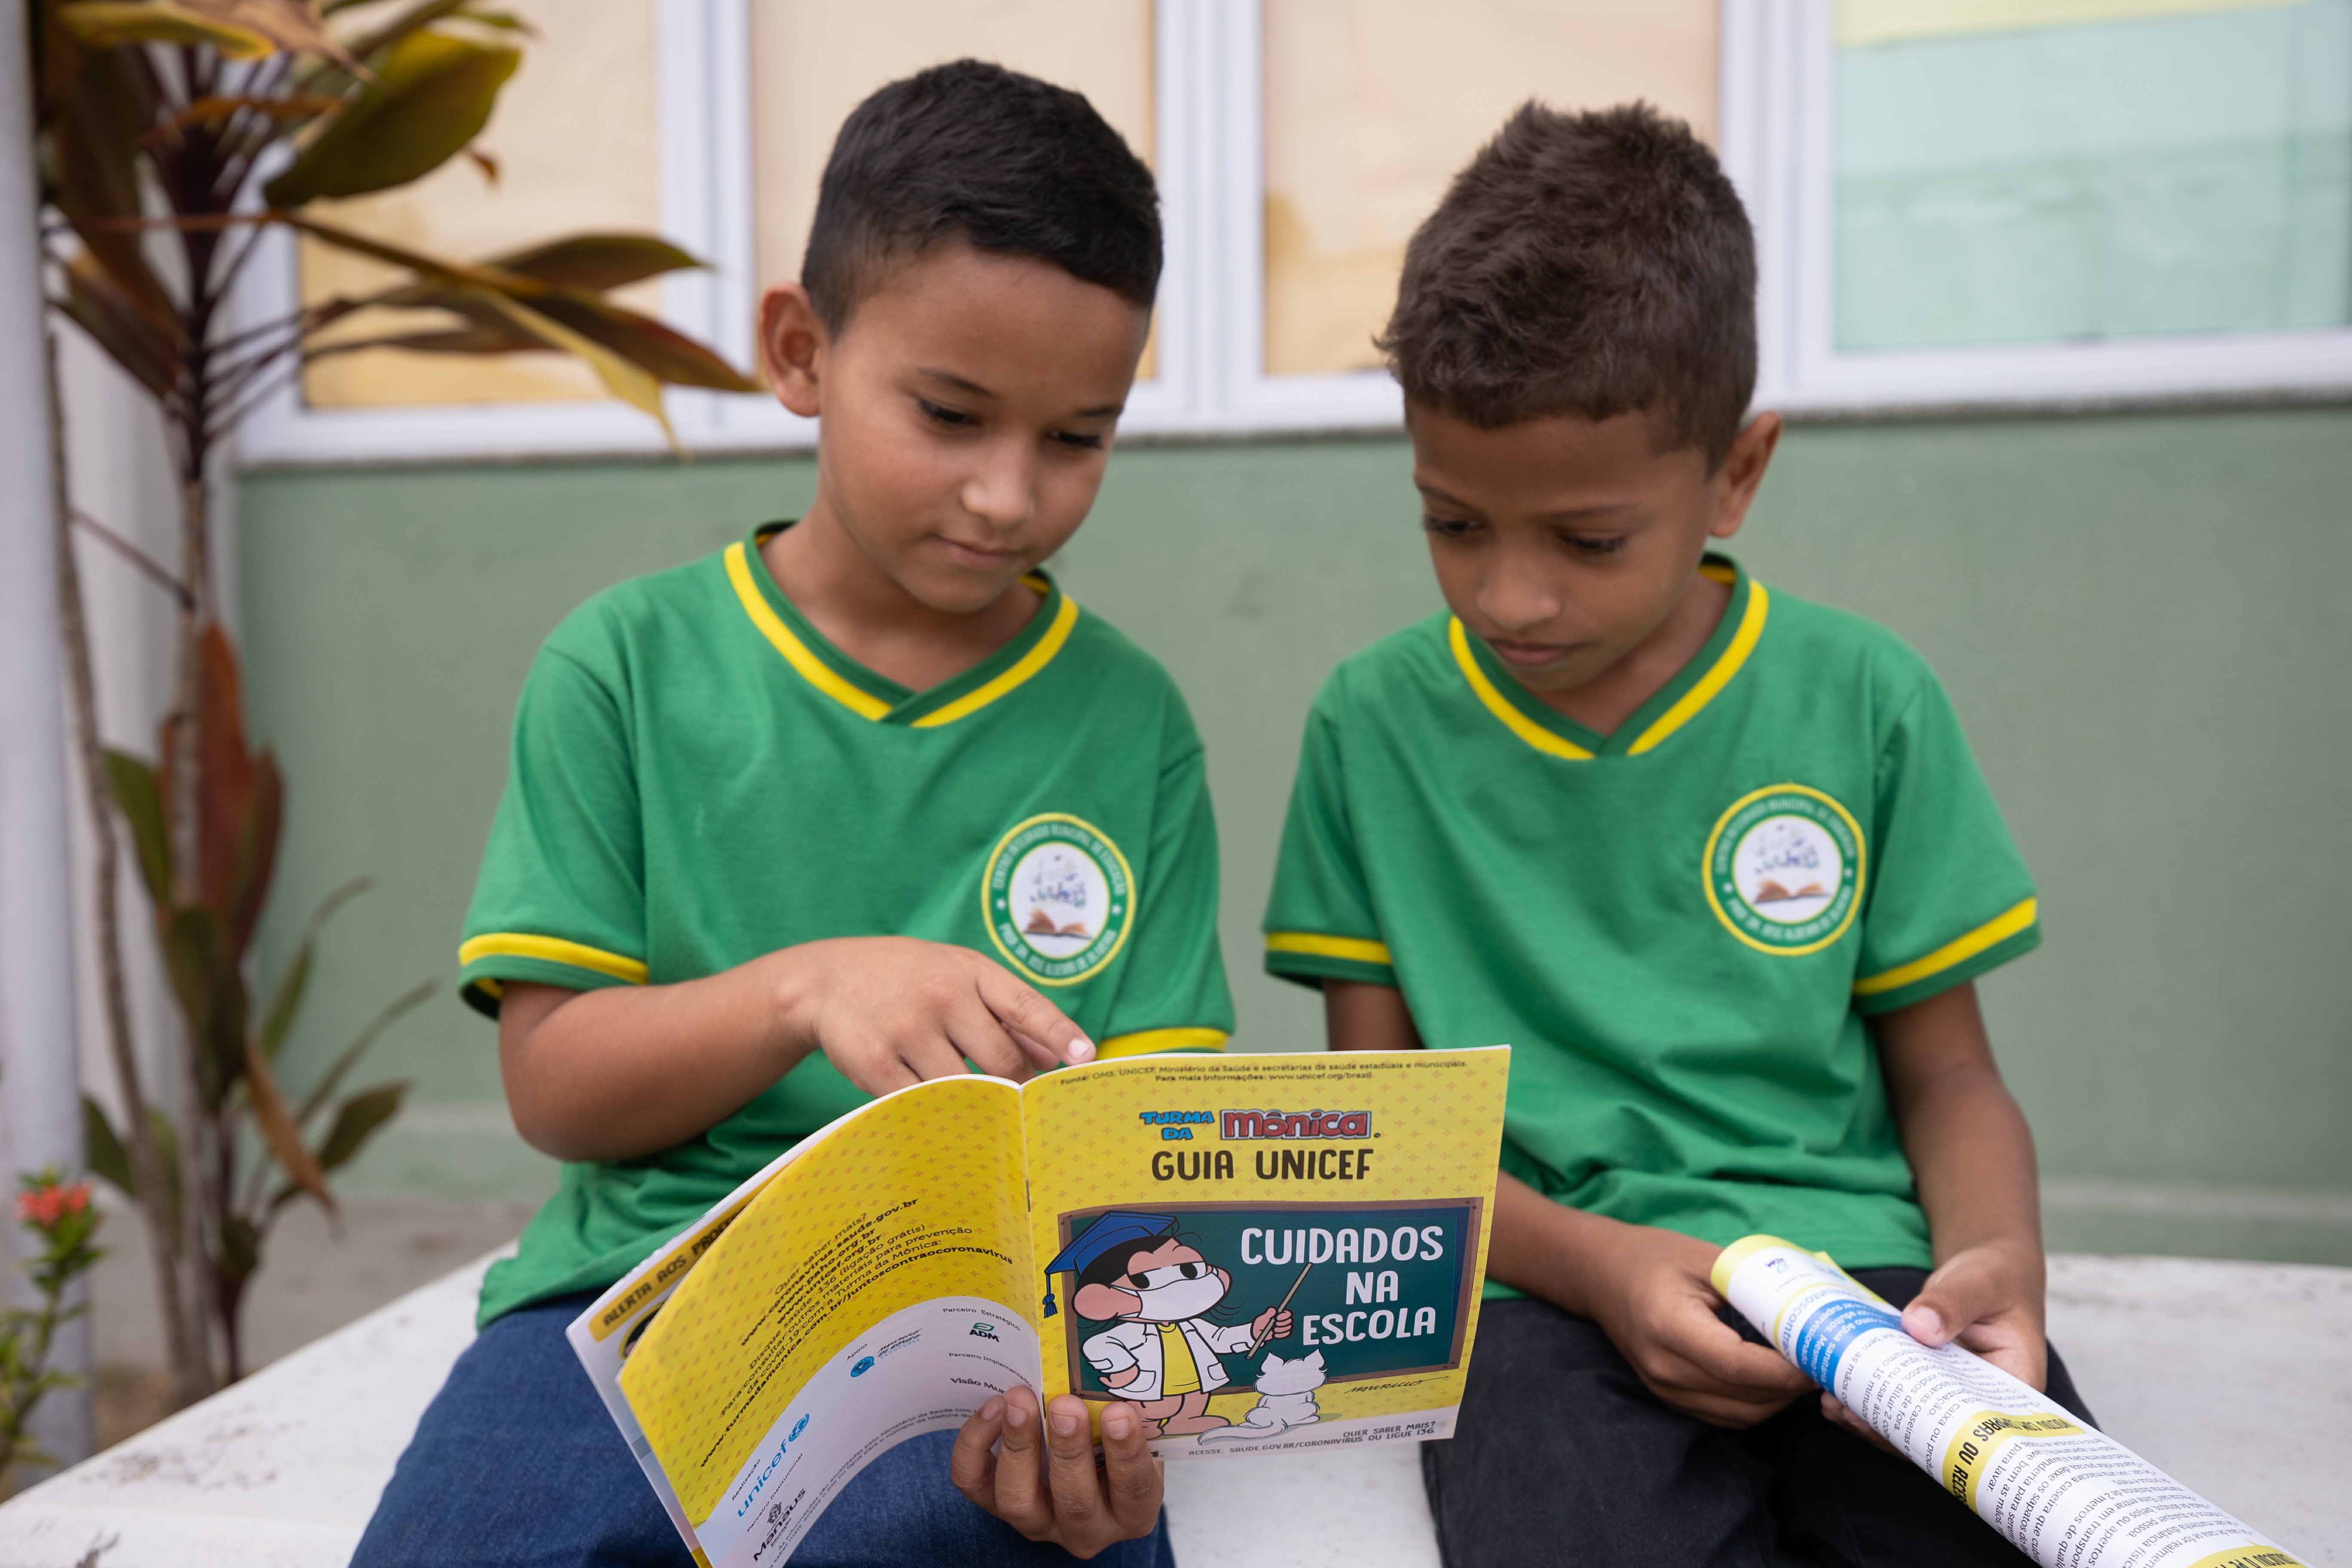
<point x="1784" y="870"/>
<point x="1058" y="899"/>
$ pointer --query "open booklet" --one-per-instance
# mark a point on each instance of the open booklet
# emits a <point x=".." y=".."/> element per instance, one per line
<point x="1258" y="1252"/>
<point x="2066" y="1496"/>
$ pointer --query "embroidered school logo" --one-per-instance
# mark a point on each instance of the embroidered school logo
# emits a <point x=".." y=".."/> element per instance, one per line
<point x="1784" y="870"/>
<point x="1058" y="899"/>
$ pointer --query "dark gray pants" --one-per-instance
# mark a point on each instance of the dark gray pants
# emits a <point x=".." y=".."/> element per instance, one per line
<point x="1563" y="1457"/>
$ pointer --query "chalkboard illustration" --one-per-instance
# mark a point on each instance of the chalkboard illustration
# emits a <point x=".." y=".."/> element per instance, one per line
<point x="1285" y="1398"/>
<point x="1162" y="1351"/>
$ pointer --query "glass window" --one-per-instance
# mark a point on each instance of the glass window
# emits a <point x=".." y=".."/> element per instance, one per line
<point x="2043" y="170"/>
<point x="574" y="140"/>
<point x="1371" y="105"/>
<point x="812" y="61"/>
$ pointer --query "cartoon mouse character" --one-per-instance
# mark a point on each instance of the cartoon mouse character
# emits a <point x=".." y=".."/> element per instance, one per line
<point x="1153" y="1287"/>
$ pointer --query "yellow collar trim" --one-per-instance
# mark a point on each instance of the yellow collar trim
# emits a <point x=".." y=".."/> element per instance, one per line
<point x="1525" y="727"/>
<point x="1743" y="643"/>
<point x="812" y="669"/>
<point x="1036" y="659"/>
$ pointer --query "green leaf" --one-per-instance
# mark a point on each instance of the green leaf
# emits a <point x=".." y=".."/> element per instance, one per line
<point x="137" y="796"/>
<point x="211" y="992"/>
<point x="666" y="355"/>
<point x="278" y="1131"/>
<point x="286" y="1000"/>
<point x="118" y="24"/>
<point x="356" y="1121"/>
<point x="256" y="850"/>
<point x="597" y="261"/>
<point x="434" y="95"/>
<point x="324" y="1089"/>
<point x="103" y="1151"/>
<point x="240" y="1247"/>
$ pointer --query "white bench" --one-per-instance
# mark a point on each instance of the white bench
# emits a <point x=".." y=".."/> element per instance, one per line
<point x="2235" y="1377"/>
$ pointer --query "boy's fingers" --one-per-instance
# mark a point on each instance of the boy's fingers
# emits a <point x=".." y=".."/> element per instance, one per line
<point x="1743" y="1369"/>
<point x="1131" y="1475"/>
<point x="1070" y="1459"/>
<point x="976" y="1034"/>
<point x="1019" y="1498"/>
<point x="1027" y="1016"/>
<point x="972" y="1464"/>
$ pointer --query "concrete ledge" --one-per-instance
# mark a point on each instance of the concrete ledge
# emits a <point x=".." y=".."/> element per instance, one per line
<point x="2235" y="1377"/>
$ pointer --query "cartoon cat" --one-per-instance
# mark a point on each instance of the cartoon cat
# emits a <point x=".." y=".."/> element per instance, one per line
<point x="1285" y="1398"/>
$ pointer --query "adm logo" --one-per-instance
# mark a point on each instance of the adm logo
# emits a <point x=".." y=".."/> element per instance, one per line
<point x="984" y="1329"/>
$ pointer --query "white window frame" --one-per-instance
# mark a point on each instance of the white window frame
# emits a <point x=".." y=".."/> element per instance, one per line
<point x="1209" y="378"/>
<point x="1779" y="126"/>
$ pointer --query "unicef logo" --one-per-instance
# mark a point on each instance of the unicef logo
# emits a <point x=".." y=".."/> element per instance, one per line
<point x="865" y="1365"/>
<point x="1058" y="899"/>
<point x="1784" y="870"/>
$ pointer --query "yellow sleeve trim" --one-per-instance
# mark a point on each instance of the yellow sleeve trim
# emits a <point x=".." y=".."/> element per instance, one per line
<point x="1036" y="659"/>
<point x="1355" y="950"/>
<point x="1990" y="934"/>
<point x="1743" y="643"/>
<point x="812" y="669"/>
<point x="554" y="950"/>
<point x="1148" y="1042"/>
<point x="1525" y="727"/>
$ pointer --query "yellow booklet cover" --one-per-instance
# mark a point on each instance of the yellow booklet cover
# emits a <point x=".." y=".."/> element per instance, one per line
<point x="1259" y="1253"/>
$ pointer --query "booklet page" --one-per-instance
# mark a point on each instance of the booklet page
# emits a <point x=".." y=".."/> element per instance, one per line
<point x="1263" y="1253"/>
<point x="872" y="1291"/>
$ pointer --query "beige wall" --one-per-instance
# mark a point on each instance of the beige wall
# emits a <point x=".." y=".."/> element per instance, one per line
<point x="1371" y="105"/>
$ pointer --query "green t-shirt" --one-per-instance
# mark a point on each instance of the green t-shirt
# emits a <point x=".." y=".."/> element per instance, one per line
<point x="699" y="778"/>
<point x="1681" y="927"/>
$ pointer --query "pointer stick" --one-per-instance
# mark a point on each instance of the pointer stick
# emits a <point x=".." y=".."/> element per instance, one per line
<point x="1287" y="1295"/>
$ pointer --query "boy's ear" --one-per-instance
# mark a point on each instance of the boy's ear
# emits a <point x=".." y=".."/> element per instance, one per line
<point x="792" y="341"/>
<point x="1743" y="471"/>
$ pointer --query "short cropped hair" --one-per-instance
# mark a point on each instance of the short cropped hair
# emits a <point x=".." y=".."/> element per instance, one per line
<point x="975" y="153"/>
<point x="1594" y="263"/>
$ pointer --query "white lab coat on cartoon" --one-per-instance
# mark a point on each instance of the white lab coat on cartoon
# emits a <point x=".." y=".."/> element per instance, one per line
<point x="1137" y="1344"/>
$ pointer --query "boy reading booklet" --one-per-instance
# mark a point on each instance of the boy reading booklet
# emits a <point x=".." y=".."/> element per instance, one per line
<point x="1247" y="1254"/>
<point x="855" y="801"/>
<point x="1717" y="862"/>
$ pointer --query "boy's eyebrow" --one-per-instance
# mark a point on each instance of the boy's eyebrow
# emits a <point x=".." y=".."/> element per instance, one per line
<point x="1431" y="492"/>
<point x="974" y="389"/>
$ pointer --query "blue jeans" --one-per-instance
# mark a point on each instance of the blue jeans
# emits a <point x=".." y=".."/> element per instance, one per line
<point x="517" y="1465"/>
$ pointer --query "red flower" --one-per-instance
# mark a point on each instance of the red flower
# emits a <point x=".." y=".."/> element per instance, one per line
<point x="48" y="1206"/>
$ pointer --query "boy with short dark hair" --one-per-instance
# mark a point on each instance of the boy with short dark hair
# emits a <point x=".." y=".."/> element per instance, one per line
<point x="1718" y="864"/>
<point x="837" y="810"/>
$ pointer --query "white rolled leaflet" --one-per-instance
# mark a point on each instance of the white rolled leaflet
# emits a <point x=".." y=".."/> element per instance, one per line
<point x="2065" y="1495"/>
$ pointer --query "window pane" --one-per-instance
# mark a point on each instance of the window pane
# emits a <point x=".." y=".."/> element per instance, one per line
<point x="573" y="138"/>
<point x="2090" y="169"/>
<point x="1372" y="105"/>
<point x="814" y="61"/>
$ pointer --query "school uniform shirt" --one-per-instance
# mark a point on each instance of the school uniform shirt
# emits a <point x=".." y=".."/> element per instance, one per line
<point x="1169" y="1359"/>
<point x="699" y="778"/>
<point x="1680" y="928"/>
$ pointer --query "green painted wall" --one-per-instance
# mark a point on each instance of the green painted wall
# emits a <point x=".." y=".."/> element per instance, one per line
<point x="2141" y="618"/>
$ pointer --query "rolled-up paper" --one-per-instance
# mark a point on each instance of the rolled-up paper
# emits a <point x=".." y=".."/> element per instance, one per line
<point x="2064" y="1494"/>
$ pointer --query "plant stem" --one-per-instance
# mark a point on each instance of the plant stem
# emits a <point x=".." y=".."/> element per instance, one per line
<point x="146" y="1162"/>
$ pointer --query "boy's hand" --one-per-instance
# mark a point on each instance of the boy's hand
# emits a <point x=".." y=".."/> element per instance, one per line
<point x="1650" y="1294"/>
<point x="890" y="1011"/>
<point x="1989" y="1298"/>
<point x="1042" y="1477"/>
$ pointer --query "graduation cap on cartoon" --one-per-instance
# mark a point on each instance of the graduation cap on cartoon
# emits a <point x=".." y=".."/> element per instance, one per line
<point x="1118" y="1228"/>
